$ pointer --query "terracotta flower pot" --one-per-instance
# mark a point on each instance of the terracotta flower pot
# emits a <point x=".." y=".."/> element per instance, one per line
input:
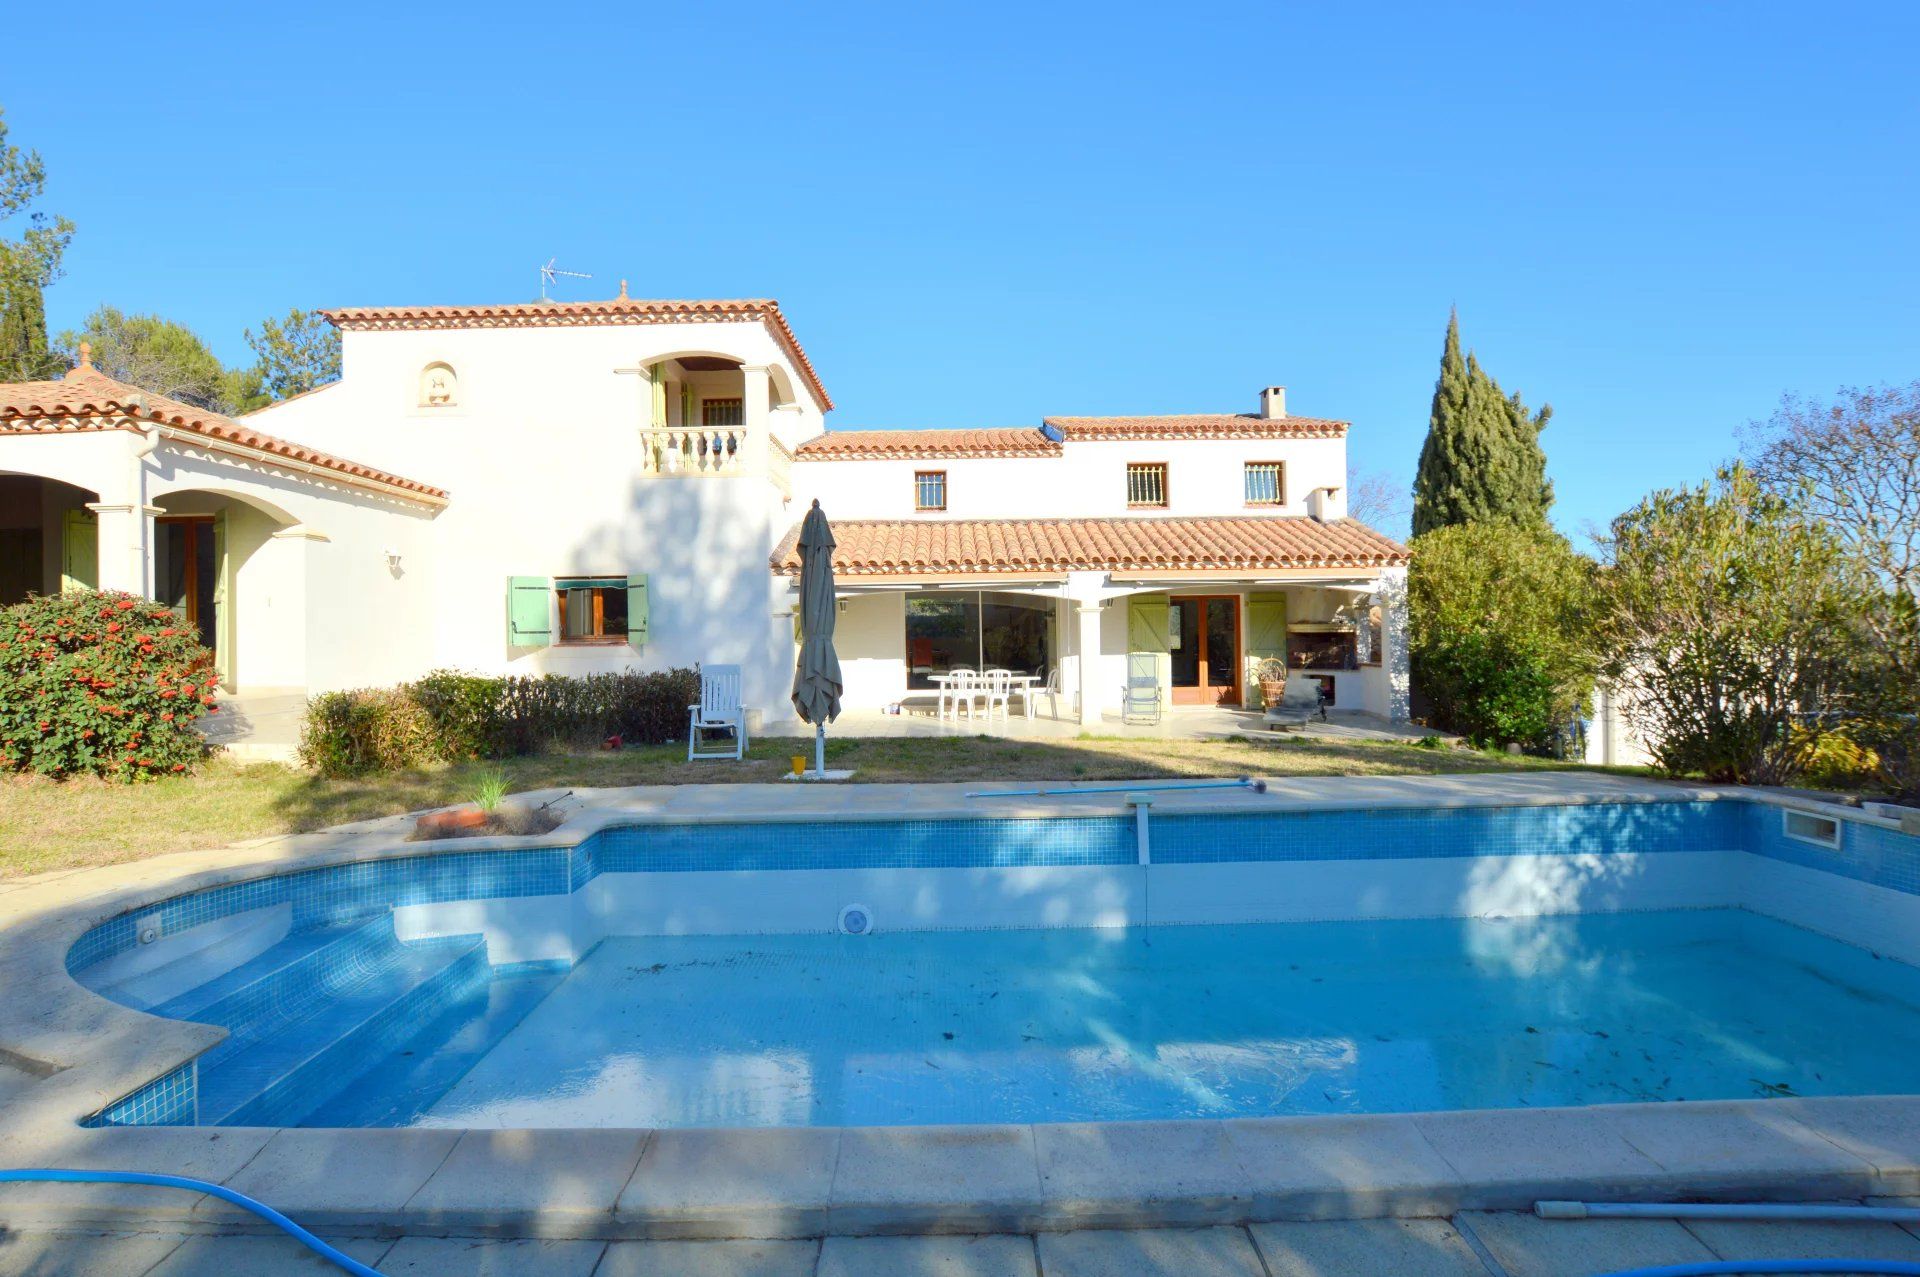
<point x="451" y="821"/>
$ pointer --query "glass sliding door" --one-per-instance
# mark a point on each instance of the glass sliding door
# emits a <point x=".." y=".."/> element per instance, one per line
<point x="978" y="630"/>
<point x="1203" y="639"/>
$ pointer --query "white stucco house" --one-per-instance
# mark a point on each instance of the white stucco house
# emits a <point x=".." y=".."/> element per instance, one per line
<point x="584" y="486"/>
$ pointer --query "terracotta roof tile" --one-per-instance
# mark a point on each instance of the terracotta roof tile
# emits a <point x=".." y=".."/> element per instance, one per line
<point x="909" y="547"/>
<point x="87" y="399"/>
<point x="618" y="310"/>
<point x="878" y="445"/>
<point x="1199" y="425"/>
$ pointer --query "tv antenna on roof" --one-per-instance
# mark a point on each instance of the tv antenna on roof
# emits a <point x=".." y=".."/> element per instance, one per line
<point x="550" y="274"/>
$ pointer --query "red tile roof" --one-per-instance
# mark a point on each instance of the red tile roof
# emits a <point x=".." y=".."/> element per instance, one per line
<point x="1198" y="425"/>
<point x="87" y="399"/>
<point x="619" y="310"/>
<point x="884" y="445"/>
<point x="919" y="547"/>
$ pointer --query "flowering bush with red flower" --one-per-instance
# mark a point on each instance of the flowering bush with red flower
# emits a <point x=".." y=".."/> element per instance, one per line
<point x="103" y="683"/>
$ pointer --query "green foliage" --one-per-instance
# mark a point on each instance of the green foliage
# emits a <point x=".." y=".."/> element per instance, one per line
<point x="295" y="354"/>
<point x="1836" y="758"/>
<point x="27" y="265"/>
<point x="1499" y="621"/>
<point x="1730" y="615"/>
<point x="448" y="716"/>
<point x="1482" y="459"/>
<point x="101" y="683"/>
<point x="490" y="788"/>
<point x="165" y="357"/>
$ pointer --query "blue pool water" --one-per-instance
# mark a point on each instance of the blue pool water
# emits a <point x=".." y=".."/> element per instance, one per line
<point x="1033" y="1026"/>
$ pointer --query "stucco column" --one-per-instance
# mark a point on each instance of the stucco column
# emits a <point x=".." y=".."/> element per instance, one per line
<point x="1088" y="613"/>
<point x="756" y="398"/>
<point x="126" y="545"/>
<point x="1393" y="643"/>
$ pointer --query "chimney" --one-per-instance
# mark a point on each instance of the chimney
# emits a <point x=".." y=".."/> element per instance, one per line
<point x="1325" y="505"/>
<point x="1273" y="402"/>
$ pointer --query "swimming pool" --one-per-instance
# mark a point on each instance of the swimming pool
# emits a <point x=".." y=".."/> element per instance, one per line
<point x="1045" y="970"/>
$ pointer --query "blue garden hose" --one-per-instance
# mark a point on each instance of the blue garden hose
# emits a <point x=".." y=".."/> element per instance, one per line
<point x="268" y="1213"/>
<point x="1894" y="1267"/>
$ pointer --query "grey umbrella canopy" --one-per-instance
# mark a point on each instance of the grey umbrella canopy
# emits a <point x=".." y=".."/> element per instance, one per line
<point x="816" y="675"/>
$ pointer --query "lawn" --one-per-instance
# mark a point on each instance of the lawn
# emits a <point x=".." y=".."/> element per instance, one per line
<point x="46" y="826"/>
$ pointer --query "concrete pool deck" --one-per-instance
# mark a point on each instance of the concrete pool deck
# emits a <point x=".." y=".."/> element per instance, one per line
<point x="66" y="1052"/>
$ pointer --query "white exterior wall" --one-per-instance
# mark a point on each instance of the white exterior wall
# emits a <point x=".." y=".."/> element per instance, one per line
<point x="543" y="455"/>
<point x="1205" y="477"/>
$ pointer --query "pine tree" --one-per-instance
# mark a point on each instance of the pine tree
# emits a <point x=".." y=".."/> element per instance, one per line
<point x="1482" y="459"/>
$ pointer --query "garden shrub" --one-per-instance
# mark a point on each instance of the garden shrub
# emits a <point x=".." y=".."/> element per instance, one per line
<point x="450" y="715"/>
<point x="1499" y="633"/>
<point x="1835" y="758"/>
<point x="102" y="683"/>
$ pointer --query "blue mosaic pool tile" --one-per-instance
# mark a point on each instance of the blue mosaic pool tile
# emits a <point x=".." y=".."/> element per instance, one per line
<point x="1867" y="853"/>
<point x="908" y="844"/>
<point x="1411" y="834"/>
<point x="172" y="1100"/>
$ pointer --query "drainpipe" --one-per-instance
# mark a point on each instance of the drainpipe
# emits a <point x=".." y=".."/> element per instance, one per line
<point x="137" y="496"/>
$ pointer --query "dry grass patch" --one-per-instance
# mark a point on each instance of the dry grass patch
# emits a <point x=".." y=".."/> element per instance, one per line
<point x="46" y="826"/>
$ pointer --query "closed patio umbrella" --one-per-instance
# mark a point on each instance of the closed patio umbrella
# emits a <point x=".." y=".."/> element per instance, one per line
<point x="816" y="675"/>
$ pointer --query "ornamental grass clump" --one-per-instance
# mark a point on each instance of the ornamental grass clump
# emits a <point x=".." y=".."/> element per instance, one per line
<point x="101" y="683"/>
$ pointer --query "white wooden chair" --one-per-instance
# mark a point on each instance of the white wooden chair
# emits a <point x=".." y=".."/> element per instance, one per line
<point x="719" y="710"/>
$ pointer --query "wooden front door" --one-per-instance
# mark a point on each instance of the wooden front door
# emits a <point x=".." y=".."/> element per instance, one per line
<point x="1203" y="642"/>
<point x="187" y="572"/>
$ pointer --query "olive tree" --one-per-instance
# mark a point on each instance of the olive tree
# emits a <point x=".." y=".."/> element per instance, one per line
<point x="1729" y="613"/>
<point x="1854" y="463"/>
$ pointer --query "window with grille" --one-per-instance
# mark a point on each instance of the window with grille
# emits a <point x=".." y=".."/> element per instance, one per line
<point x="930" y="489"/>
<point x="1266" y="483"/>
<point x="722" y="412"/>
<point x="1147" y="483"/>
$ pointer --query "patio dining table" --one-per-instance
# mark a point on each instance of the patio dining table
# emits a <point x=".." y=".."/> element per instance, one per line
<point x="964" y="683"/>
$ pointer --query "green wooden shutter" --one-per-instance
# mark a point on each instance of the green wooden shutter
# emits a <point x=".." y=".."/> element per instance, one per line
<point x="1266" y="634"/>
<point x="1147" y="631"/>
<point x="223" y="613"/>
<point x="659" y="403"/>
<point x="80" y="552"/>
<point x="529" y="611"/>
<point x="637" y="609"/>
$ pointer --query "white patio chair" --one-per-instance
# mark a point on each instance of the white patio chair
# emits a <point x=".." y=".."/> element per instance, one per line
<point x="1140" y="701"/>
<point x="996" y="687"/>
<point x="1049" y="689"/>
<point x="950" y="684"/>
<point x="719" y="710"/>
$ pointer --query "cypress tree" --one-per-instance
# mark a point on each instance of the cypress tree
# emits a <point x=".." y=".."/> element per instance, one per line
<point x="1482" y="459"/>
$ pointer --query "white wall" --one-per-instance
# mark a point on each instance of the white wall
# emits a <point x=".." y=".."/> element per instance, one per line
<point x="1088" y="480"/>
<point x="543" y="456"/>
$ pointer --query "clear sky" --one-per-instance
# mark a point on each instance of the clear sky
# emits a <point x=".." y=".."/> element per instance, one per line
<point x="1659" y="217"/>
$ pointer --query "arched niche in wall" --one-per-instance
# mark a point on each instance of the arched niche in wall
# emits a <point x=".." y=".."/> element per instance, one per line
<point x="439" y="385"/>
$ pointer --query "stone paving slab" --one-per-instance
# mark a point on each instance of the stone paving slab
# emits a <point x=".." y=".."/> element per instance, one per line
<point x="1196" y="1252"/>
<point x="1354" y="1248"/>
<point x="775" y="1182"/>
<point x="952" y="1179"/>
<point x="710" y="1259"/>
<point x="277" y="1254"/>
<point x="529" y="1183"/>
<point x="1514" y="1157"/>
<point x="989" y="1256"/>
<point x="1341" y="1167"/>
<point x="119" y="1254"/>
<point x="1751" y="1149"/>
<point x="1805" y="1239"/>
<point x="1527" y="1246"/>
<point x="477" y="1257"/>
<point x="1120" y="1174"/>
<point x="339" y="1177"/>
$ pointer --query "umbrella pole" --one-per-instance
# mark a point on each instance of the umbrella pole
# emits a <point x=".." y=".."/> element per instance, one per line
<point x="820" y="750"/>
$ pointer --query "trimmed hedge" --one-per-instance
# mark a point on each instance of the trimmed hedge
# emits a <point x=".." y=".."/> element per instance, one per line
<point x="448" y="716"/>
<point x="103" y="683"/>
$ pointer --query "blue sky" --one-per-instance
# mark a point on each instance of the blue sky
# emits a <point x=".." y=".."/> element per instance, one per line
<point x="1657" y="217"/>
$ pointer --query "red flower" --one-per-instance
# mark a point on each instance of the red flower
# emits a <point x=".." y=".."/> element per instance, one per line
<point x="126" y="605"/>
<point x="179" y="767"/>
<point x="113" y="627"/>
<point x="167" y="717"/>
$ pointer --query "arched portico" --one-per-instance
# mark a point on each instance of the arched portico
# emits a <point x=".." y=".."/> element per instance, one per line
<point x="49" y="536"/>
<point x="221" y="560"/>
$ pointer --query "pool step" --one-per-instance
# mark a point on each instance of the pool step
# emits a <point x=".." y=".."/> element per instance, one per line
<point x="285" y="982"/>
<point x="307" y="1060"/>
<point x="398" y="1090"/>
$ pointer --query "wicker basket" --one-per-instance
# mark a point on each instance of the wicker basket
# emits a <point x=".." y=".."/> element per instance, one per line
<point x="1271" y="675"/>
